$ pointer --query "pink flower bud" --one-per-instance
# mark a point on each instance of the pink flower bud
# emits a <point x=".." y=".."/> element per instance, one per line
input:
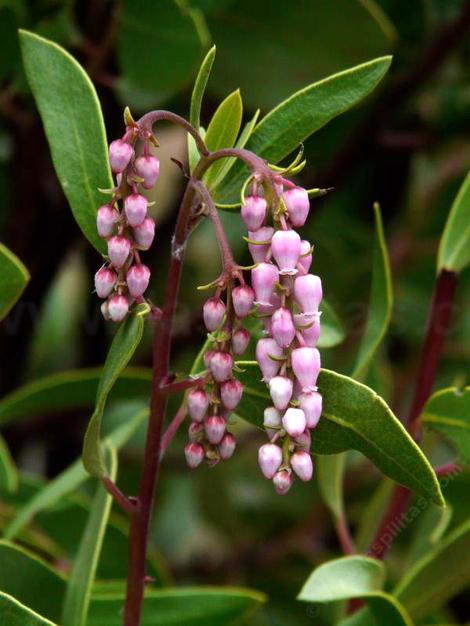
<point x="194" y="454"/>
<point x="221" y="365"/>
<point x="227" y="446"/>
<point x="195" y="431"/>
<point x="306" y="366"/>
<point x="243" y="298"/>
<point x="215" y="428"/>
<point x="265" y="349"/>
<point x="120" y="153"/>
<point x="213" y="313"/>
<point x="308" y="293"/>
<point x="304" y="440"/>
<point x="137" y="279"/>
<point x="208" y="357"/>
<point x="135" y="207"/>
<point x="311" y="404"/>
<point x="282" y="327"/>
<point x="283" y="482"/>
<point x="106" y="219"/>
<point x="231" y="393"/>
<point x="148" y="168"/>
<point x="301" y="463"/>
<point x="285" y="246"/>
<point x="294" y="422"/>
<point x="305" y="259"/>
<point x="105" y="311"/>
<point x="198" y="403"/>
<point x="144" y="233"/>
<point x="259" y="251"/>
<point x="263" y="278"/>
<point x="253" y="212"/>
<point x="311" y="334"/>
<point x="118" y="307"/>
<point x="240" y="341"/>
<point x="272" y="417"/>
<point x="118" y="250"/>
<point x="280" y="388"/>
<point x="105" y="279"/>
<point x="298" y="205"/>
<point x="269" y="459"/>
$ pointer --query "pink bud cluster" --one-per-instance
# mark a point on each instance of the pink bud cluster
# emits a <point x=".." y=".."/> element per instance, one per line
<point x="209" y="407"/>
<point x="127" y="229"/>
<point x="287" y="298"/>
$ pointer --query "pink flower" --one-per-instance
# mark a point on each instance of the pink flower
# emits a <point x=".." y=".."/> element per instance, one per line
<point x="306" y="367"/>
<point x="282" y="327"/>
<point x="118" y="307"/>
<point x="298" y="205"/>
<point x="198" y="403"/>
<point x="194" y="454"/>
<point x="227" y="446"/>
<point x="215" y="428"/>
<point x="120" y="153"/>
<point x="285" y="246"/>
<point x="283" y="482"/>
<point x="269" y="459"/>
<point x="280" y="388"/>
<point x="294" y="422"/>
<point x="145" y="233"/>
<point x="118" y="250"/>
<point x="265" y="349"/>
<point x="253" y="212"/>
<point x="243" y="298"/>
<point x="240" y="341"/>
<point x="305" y="259"/>
<point x="135" y="207"/>
<point x="105" y="279"/>
<point x="264" y="278"/>
<point x="231" y="393"/>
<point x="106" y="219"/>
<point x="301" y="463"/>
<point x="308" y="293"/>
<point x="221" y="365"/>
<point x="311" y="404"/>
<point x="213" y="313"/>
<point x="259" y="251"/>
<point x="137" y="278"/>
<point x="148" y="168"/>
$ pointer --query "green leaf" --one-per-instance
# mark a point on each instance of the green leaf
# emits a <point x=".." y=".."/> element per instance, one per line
<point x="381" y="301"/>
<point x="371" y="514"/>
<point x="74" y="127"/>
<point x="13" y="613"/>
<point x="74" y="389"/>
<point x="69" y="480"/>
<point x="191" y="606"/>
<point x="354" y="417"/>
<point x="78" y="594"/>
<point x="305" y="112"/>
<point x="438" y="576"/>
<point x="448" y="412"/>
<point x="196" y="102"/>
<point x="23" y="574"/>
<point x="222" y="131"/>
<point x="123" y="347"/>
<point x="454" y="249"/>
<point x="160" y="45"/>
<point x="332" y="329"/>
<point x="355" y="577"/>
<point x="13" y="279"/>
<point x="329" y="469"/>
<point x="8" y="471"/>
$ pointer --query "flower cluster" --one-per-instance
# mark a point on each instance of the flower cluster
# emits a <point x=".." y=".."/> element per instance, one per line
<point x="287" y="298"/>
<point x="210" y="406"/>
<point x="129" y="229"/>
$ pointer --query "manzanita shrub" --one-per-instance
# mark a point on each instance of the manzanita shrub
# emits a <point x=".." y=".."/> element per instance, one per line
<point x="271" y="310"/>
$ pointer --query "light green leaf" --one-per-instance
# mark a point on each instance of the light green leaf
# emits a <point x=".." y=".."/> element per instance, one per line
<point x="222" y="131"/>
<point x="332" y="329"/>
<point x="371" y="514"/>
<point x="13" y="613"/>
<point x="8" y="471"/>
<point x="196" y="102"/>
<point x="78" y="594"/>
<point x="13" y="279"/>
<point x="191" y="606"/>
<point x="74" y="127"/>
<point x="123" y="347"/>
<point x="354" y="417"/>
<point x="69" y="480"/>
<point x="329" y="470"/>
<point x="355" y="577"/>
<point x="428" y="531"/>
<point x="305" y="112"/>
<point x="454" y="249"/>
<point x="381" y="301"/>
<point x="438" y="576"/>
<point x="23" y="574"/>
<point x="448" y="412"/>
<point x="75" y="389"/>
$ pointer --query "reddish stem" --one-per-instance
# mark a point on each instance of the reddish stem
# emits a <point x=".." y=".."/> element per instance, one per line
<point x="181" y="385"/>
<point x="447" y="469"/>
<point x="344" y="536"/>
<point x="390" y="524"/>
<point x="172" y="429"/>
<point x="123" y="501"/>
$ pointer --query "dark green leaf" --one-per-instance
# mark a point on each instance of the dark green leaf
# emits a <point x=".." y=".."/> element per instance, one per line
<point x="123" y="347"/>
<point x="196" y="102"/>
<point x="193" y="606"/>
<point x="381" y="301"/>
<point x="8" y="471"/>
<point x="13" y="613"/>
<point x="329" y="470"/>
<point x="454" y="249"/>
<point x="448" y="412"/>
<point x="371" y="514"/>
<point x="354" y="417"/>
<point x="78" y="593"/>
<point x="73" y="122"/>
<point x="298" y="117"/>
<point x="13" y="279"/>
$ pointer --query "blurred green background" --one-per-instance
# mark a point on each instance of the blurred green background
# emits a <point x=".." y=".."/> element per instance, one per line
<point x="406" y="146"/>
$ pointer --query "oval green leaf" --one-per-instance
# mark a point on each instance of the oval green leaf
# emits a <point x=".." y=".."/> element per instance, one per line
<point x="454" y="249"/>
<point x="14" y="613"/>
<point x="354" y="417"/>
<point x="8" y="471"/>
<point x="298" y="117"/>
<point x="74" y="127"/>
<point x="448" y="412"/>
<point x="13" y="279"/>
<point x="329" y="470"/>
<point x="196" y="102"/>
<point x="123" y="347"/>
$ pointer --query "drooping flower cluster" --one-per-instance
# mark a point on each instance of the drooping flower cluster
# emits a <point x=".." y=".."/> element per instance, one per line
<point x="128" y="229"/>
<point x="210" y="406"/>
<point x="287" y="298"/>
